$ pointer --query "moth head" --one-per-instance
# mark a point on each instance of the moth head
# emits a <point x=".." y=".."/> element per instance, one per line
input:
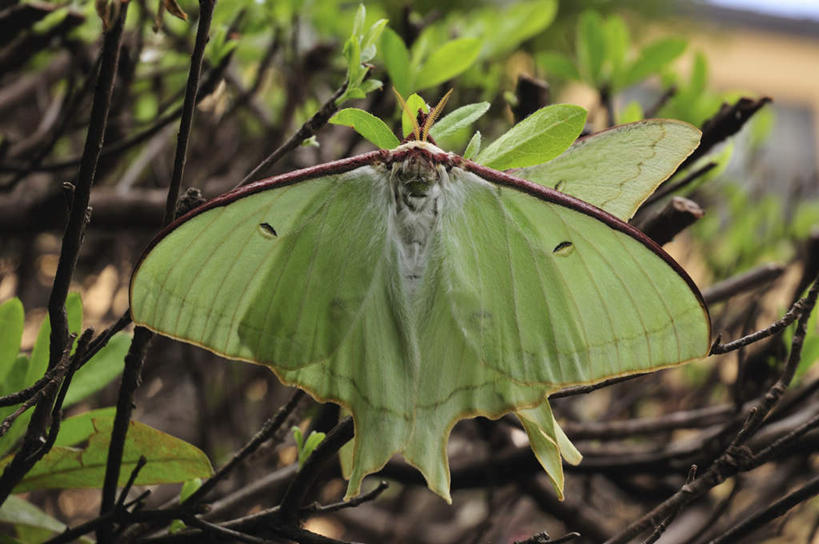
<point x="417" y="174"/>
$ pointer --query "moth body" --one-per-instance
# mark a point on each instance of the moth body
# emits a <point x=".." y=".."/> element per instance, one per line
<point x="416" y="189"/>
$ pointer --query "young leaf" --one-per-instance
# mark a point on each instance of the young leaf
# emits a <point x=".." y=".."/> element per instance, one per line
<point x="539" y="138"/>
<point x="458" y="119"/>
<point x="474" y="146"/>
<point x="369" y="126"/>
<point x="413" y="103"/>
<point x="447" y="62"/>
<point x="11" y="333"/>
<point x="170" y="460"/>
<point x="396" y="60"/>
<point x="653" y="58"/>
<point x="591" y="46"/>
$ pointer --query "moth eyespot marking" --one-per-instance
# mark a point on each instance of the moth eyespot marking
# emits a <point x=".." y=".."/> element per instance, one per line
<point x="559" y="185"/>
<point x="563" y="249"/>
<point x="267" y="230"/>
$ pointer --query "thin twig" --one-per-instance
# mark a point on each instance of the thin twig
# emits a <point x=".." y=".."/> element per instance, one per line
<point x="298" y="489"/>
<point x="213" y="77"/>
<point x="352" y="503"/>
<point x="583" y="389"/>
<point x="131" y="479"/>
<point x="670" y="188"/>
<point x="224" y="532"/>
<point x="270" y="427"/>
<point x="741" y="283"/>
<point x="798" y="308"/>
<point x="189" y="105"/>
<point x="738" y="532"/>
<point x="308" y="129"/>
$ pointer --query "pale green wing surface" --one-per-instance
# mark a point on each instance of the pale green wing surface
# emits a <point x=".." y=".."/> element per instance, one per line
<point x="550" y="295"/>
<point x="276" y="277"/>
<point x="299" y="278"/>
<point x="619" y="168"/>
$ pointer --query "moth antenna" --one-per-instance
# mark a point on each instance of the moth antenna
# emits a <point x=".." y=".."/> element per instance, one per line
<point x="434" y="114"/>
<point x="415" y="128"/>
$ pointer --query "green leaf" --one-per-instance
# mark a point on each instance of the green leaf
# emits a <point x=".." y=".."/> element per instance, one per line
<point x="617" y="44"/>
<point x="557" y="64"/>
<point x="310" y="444"/>
<point x="368" y="48"/>
<point x="414" y="103"/>
<point x="458" y="119"/>
<point x="79" y="428"/>
<point x="519" y="22"/>
<point x="369" y="126"/>
<point x="591" y="46"/>
<point x="653" y="58"/>
<point x="474" y="146"/>
<point x="25" y="516"/>
<point x="537" y="139"/>
<point x="188" y="488"/>
<point x="12" y="318"/>
<point x="170" y="460"/>
<point x="447" y="62"/>
<point x="396" y="60"/>
<point x="15" y="381"/>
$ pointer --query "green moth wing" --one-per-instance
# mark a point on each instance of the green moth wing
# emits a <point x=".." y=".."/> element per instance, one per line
<point x="618" y="169"/>
<point x="416" y="288"/>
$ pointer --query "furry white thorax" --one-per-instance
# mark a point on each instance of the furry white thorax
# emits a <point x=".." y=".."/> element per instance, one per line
<point x="416" y="187"/>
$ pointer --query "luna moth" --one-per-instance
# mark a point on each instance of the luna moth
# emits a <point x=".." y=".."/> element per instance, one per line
<point x="417" y="288"/>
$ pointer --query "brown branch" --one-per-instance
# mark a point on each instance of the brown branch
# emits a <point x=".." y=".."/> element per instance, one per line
<point x="724" y="124"/>
<point x="677" y="215"/>
<point x="130" y="381"/>
<point x="741" y="283"/>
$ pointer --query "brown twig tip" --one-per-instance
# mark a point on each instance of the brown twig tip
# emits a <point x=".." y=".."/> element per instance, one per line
<point x="679" y="214"/>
